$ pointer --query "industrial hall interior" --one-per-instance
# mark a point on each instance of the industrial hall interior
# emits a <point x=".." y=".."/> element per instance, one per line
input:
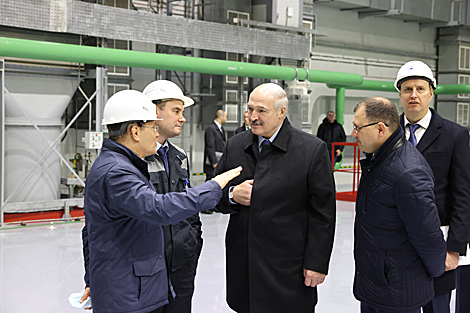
<point x="81" y="79"/>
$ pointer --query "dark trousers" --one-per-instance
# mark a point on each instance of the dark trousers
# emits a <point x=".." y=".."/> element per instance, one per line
<point x="440" y="304"/>
<point x="183" y="285"/>
<point x="365" y="308"/>
<point x="159" y="310"/>
<point x="462" y="300"/>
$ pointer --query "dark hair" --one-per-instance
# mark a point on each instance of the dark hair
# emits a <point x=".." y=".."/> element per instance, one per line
<point x="160" y="104"/>
<point x="378" y="109"/>
<point x="118" y="130"/>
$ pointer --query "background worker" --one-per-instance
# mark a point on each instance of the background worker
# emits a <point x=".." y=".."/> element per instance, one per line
<point x="169" y="171"/>
<point x="246" y="124"/>
<point x="123" y="237"/>
<point x="331" y="131"/>
<point x="445" y="146"/>
<point x="214" y="143"/>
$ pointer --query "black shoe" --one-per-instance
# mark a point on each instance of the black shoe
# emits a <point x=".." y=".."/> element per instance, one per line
<point x="207" y="212"/>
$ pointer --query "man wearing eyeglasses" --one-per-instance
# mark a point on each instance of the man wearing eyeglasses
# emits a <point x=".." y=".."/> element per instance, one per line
<point x="398" y="246"/>
<point x="445" y="146"/>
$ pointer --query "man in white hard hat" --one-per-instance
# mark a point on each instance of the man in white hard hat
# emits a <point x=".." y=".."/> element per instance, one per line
<point x="445" y="146"/>
<point x="123" y="236"/>
<point x="169" y="171"/>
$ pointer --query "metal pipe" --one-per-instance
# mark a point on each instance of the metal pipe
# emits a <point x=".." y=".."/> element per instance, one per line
<point x="340" y="99"/>
<point x="377" y="85"/>
<point x="374" y="85"/>
<point x="452" y="89"/>
<point x="40" y="50"/>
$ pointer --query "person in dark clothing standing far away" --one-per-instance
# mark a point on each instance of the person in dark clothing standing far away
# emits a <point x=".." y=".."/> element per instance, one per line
<point x="398" y="245"/>
<point x="214" y="143"/>
<point x="331" y="131"/>
<point x="246" y="124"/>
<point x="282" y="223"/>
<point x="169" y="171"/>
<point x="123" y="241"/>
<point x="445" y="146"/>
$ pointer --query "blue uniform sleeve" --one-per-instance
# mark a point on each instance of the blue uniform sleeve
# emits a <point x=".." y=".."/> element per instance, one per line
<point x="127" y="194"/>
<point x="86" y="254"/>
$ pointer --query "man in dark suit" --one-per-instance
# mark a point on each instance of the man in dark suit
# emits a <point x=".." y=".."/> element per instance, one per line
<point x="214" y="143"/>
<point x="445" y="146"/>
<point x="246" y="124"/>
<point x="282" y="211"/>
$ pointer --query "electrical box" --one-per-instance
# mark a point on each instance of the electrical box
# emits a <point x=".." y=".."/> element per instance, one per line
<point x="290" y="12"/>
<point x="93" y="140"/>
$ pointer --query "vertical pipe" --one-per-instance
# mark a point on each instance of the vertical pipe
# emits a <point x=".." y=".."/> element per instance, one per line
<point x="340" y="99"/>
<point x="100" y="88"/>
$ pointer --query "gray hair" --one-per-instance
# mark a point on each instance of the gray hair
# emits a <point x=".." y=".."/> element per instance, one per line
<point x="378" y="109"/>
<point x="280" y="96"/>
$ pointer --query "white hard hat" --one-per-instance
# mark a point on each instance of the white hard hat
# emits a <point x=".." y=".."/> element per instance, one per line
<point x="166" y="90"/>
<point x="415" y="70"/>
<point x="129" y="105"/>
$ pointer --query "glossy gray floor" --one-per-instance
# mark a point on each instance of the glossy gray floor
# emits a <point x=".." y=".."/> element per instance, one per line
<point x="41" y="266"/>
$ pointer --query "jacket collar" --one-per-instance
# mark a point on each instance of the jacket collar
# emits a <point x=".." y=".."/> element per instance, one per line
<point x="140" y="164"/>
<point x="396" y="140"/>
<point x="281" y="141"/>
<point x="172" y="153"/>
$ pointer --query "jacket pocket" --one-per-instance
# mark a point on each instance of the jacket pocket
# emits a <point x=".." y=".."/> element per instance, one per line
<point x="371" y="264"/>
<point x="153" y="280"/>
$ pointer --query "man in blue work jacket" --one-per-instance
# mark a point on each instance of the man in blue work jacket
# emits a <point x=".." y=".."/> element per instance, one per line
<point x="123" y="236"/>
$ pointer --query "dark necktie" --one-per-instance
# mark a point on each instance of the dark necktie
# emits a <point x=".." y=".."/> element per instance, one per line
<point x="162" y="152"/>
<point x="222" y="131"/>
<point x="265" y="142"/>
<point x="412" y="138"/>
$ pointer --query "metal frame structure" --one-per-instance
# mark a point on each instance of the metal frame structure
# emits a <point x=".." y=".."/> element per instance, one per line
<point x="6" y="207"/>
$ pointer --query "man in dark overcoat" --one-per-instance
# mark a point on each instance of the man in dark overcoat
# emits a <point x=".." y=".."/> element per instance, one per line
<point x="280" y="235"/>
<point x="445" y="146"/>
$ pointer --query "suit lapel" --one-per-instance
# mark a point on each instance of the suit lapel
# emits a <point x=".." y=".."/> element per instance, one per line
<point x="432" y="133"/>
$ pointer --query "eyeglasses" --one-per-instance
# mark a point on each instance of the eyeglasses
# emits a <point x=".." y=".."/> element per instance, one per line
<point x="155" y="128"/>
<point x="358" y="128"/>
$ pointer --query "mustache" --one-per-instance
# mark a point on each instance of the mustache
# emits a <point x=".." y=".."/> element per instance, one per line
<point x="256" y="123"/>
